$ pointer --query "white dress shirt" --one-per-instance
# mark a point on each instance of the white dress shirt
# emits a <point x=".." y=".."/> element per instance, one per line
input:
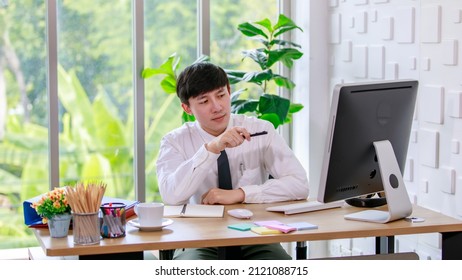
<point x="186" y="170"/>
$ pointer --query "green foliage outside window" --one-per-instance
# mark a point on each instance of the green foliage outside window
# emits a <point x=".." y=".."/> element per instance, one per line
<point x="95" y="93"/>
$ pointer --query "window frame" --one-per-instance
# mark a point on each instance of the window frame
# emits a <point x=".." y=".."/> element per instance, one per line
<point x="203" y="17"/>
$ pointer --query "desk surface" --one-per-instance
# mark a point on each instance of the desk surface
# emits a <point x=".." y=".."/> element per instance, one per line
<point x="200" y="232"/>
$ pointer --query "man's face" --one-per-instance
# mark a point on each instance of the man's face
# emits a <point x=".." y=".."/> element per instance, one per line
<point x="211" y="109"/>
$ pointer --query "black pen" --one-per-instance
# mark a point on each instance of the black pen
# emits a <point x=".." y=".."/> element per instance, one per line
<point x="259" y="133"/>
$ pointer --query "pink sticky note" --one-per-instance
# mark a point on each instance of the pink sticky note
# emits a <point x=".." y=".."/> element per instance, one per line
<point x="282" y="228"/>
<point x="266" y="223"/>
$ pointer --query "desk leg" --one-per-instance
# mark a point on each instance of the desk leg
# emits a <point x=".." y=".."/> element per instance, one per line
<point x="452" y="246"/>
<point x="300" y="250"/>
<point x="384" y="245"/>
<point x="166" y="254"/>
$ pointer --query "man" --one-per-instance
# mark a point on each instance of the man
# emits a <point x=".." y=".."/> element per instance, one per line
<point x="187" y="163"/>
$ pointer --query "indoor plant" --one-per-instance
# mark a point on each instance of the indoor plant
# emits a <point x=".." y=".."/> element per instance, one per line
<point x="274" y="49"/>
<point x="269" y="106"/>
<point x="54" y="210"/>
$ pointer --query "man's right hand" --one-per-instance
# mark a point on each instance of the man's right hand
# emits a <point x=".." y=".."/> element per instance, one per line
<point x="231" y="138"/>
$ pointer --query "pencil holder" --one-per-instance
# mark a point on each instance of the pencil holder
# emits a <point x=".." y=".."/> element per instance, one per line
<point x="112" y="220"/>
<point x="86" y="228"/>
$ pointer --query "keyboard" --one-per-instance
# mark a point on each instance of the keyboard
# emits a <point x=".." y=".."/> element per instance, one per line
<point x="302" y="207"/>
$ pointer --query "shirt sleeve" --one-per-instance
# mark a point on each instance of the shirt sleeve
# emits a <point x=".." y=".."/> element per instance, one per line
<point x="290" y="179"/>
<point x="180" y="178"/>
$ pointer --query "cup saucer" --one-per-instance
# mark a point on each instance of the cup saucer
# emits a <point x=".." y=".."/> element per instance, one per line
<point x="165" y="222"/>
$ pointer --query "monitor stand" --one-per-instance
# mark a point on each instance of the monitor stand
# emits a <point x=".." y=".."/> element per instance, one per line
<point x="399" y="204"/>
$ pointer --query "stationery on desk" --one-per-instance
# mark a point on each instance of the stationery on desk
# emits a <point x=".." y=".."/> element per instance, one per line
<point x="272" y="227"/>
<point x="303" y="225"/>
<point x="302" y="207"/>
<point x="275" y="225"/>
<point x="33" y="220"/>
<point x="242" y="226"/>
<point x="265" y="230"/>
<point x="194" y="211"/>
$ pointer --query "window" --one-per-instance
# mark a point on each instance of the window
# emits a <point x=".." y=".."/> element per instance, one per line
<point x="95" y="90"/>
<point x="170" y="28"/>
<point x="23" y="115"/>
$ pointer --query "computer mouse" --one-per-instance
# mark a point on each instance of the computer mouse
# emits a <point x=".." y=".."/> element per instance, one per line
<point x="240" y="213"/>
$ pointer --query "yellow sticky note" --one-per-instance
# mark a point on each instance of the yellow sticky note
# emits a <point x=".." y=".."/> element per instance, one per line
<point x="264" y="230"/>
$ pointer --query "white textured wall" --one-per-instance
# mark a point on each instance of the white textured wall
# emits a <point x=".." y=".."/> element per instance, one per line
<point x="399" y="39"/>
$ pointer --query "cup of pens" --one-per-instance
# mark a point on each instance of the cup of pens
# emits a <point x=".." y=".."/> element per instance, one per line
<point x="85" y="201"/>
<point x="112" y="220"/>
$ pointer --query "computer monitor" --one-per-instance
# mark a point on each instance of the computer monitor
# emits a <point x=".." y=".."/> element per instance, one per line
<point x="368" y="139"/>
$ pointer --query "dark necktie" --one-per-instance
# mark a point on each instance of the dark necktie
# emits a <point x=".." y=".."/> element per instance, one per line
<point x="224" y="175"/>
<point x="224" y="182"/>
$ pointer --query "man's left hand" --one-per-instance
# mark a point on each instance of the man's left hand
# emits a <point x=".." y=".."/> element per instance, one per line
<point x="220" y="196"/>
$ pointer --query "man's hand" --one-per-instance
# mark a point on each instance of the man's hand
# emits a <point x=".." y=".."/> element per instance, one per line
<point x="231" y="138"/>
<point x="220" y="196"/>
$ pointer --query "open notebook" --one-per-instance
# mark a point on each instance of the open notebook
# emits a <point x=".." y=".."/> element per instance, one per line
<point x="194" y="211"/>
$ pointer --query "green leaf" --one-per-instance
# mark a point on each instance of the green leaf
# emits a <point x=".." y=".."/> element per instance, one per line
<point x="250" y="30"/>
<point x="258" y="77"/>
<point x="283" y="21"/>
<point x="283" y="25"/>
<point x="288" y="118"/>
<point x="202" y="58"/>
<point x="97" y="166"/>
<point x="272" y="118"/>
<point x="286" y="56"/>
<point x="235" y="95"/>
<point x="264" y="42"/>
<point x="34" y="177"/>
<point x="168" y="84"/>
<point x="12" y="155"/>
<point x="187" y="118"/>
<point x="295" y="107"/>
<point x="76" y="102"/>
<point x="149" y="72"/>
<point x="235" y="77"/>
<point x="30" y="139"/>
<point x="159" y="117"/>
<point x="168" y="67"/>
<point x="111" y="133"/>
<point x="270" y="103"/>
<point x="242" y="106"/>
<point x="257" y="55"/>
<point x="284" y="43"/>
<point x="284" y="30"/>
<point x="266" y="23"/>
<point x="283" y="82"/>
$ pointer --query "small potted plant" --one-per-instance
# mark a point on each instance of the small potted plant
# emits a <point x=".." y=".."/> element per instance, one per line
<point x="55" y="211"/>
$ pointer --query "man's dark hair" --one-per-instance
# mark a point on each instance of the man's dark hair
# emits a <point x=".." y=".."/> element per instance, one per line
<point x="199" y="78"/>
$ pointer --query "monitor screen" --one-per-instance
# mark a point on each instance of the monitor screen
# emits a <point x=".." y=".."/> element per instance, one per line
<point x="363" y="114"/>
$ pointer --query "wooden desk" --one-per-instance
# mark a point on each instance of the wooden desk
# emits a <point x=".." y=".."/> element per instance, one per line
<point x="197" y="232"/>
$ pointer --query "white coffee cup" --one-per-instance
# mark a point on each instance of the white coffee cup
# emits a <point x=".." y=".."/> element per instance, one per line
<point x="150" y="214"/>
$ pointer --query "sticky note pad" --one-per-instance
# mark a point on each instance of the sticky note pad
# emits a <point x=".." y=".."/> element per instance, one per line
<point x="303" y="226"/>
<point x="241" y="226"/>
<point x="264" y="230"/>
<point x="282" y="228"/>
<point x="269" y="222"/>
